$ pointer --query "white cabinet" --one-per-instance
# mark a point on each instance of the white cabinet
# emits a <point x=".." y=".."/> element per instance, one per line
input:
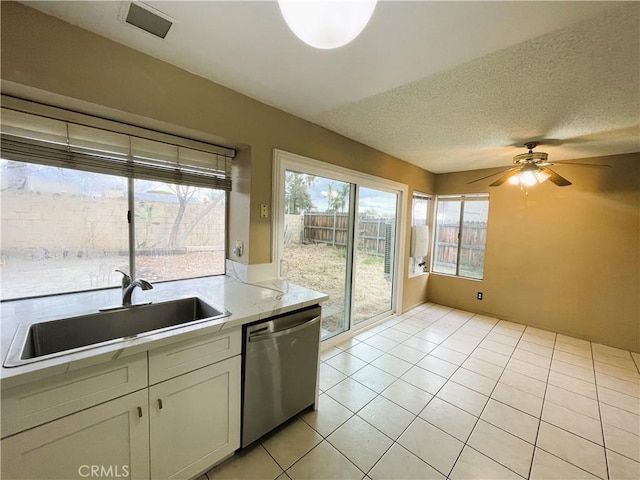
<point x="182" y="357"/>
<point x="111" y="439"/>
<point x="107" y="418"/>
<point x="195" y="420"/>
<point x="35" y="403"/>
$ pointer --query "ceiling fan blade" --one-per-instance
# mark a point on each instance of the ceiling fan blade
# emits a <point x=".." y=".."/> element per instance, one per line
<point x="561" y="162"/>
<point x="493" y="174"/>
<point x="510" y="173"/>
<point x="555" y="178"/>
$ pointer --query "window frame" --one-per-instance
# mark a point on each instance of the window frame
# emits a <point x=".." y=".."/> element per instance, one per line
<point x="27" y="139"/>
<point x="125" y="217"/>
<point x="284" y="161"/>
<point x="415" y="270"/>
<point x="462" y="199"/>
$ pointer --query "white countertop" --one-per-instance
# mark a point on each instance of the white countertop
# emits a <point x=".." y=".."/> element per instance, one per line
<point x="247" y="303"/>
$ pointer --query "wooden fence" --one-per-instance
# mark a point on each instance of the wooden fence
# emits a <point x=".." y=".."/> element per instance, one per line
<point x="374" y="236"/>
<point x="472" y="245"/>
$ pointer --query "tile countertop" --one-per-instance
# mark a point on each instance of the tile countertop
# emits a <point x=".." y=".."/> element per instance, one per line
<point x="246" y="302"/>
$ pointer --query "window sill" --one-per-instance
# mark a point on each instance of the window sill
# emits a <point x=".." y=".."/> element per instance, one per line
<point x="457" y="276"/>
<point x="418" y="274"/>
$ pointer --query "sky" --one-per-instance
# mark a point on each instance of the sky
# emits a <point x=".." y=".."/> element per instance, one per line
<point x="374" y="201"/>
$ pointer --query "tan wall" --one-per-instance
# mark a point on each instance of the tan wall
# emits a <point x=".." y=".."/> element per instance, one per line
<point x="563" y="259"/>
<point x="49" y="60"/>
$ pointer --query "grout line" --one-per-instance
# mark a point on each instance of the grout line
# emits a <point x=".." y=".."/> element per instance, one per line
<point x="441" y="319"/>
<point x="574" y="434"/>
<point x="546" y="386"/>
<point x="466" y="443"/>
<point x="415" y="416"/>
<point x="566" y="461"/>
<point x="432" y="395"/>
<point x="316" y="446"/>
<point x="448" y="379"/>
<point x="635" y="362"/>
<point x="604" y="441"/>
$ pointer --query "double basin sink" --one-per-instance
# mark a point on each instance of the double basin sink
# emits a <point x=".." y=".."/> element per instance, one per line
<point x="51" y="339"/>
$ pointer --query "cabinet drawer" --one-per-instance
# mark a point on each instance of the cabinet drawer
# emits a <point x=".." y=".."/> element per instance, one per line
<point x="178" y="358"/>
<point x="32" y="404"/>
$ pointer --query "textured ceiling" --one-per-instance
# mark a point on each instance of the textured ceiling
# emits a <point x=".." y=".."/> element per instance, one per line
<point x="576" y="89"/>
<point x="448" y="86"/>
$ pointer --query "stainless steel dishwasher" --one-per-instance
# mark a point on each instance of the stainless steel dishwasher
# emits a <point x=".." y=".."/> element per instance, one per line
<point x="280" y="368"/>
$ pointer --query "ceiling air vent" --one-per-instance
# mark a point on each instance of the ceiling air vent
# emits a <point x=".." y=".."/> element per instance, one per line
<point x="147" y="20"/>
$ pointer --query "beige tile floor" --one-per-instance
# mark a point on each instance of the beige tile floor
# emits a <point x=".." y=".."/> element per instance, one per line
<point x="440" y="393"/>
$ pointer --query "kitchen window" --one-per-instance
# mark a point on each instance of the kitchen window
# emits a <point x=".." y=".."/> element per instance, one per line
<point x="461" y="234"/>
<point x="79" y="202"/>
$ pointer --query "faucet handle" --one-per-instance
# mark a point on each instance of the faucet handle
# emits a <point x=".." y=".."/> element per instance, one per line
<point x="126" y="279"/>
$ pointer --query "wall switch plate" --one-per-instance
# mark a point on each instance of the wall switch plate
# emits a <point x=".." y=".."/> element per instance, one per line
<point x="264" y="210"/>
<point x="479" y="296"/>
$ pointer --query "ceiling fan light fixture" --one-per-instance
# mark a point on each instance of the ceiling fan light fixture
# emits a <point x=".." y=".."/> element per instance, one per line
<point x="541" y="176"/>
<point x="536" y="157"/>
<point x="529" y="178"/>
<point x="531" y="168"/>
<point x="327" y="24"/>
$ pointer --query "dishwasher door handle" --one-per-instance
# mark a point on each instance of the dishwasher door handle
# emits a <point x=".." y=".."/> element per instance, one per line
<point x="280" y="333"/>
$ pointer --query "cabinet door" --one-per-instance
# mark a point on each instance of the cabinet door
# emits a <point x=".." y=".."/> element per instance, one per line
<point x="108" y="440"/>
<point x="195" y="420"/>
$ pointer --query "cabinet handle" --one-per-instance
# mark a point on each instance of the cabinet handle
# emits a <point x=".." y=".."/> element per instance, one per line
<point x="159" y="404"/>
<point x="139" y="412"/>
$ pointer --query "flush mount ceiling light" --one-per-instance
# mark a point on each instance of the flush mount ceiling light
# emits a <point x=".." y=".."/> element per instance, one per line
<point x="327" y="24"/>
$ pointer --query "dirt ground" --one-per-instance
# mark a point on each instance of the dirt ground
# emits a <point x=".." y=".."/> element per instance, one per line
<point x="188" y="265"/>
<point x="316" y="266"/>
<point x="322" y="267"/>
<point x="73" y="274"/>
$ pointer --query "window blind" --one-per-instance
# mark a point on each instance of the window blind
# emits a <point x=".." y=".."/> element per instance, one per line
<point x="467" y="197"/>
<point x="35" y="139"/>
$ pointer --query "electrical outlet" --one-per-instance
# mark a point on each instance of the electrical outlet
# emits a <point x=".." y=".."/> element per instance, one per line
<point x="264" y="210"/>
<point x="479" y="296"/>
<point x="238" y="249"/>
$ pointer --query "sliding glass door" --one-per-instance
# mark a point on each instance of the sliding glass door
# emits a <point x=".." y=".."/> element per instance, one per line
<point x="375" y="255"/>
<point x="336" y="233"/>
<point x="316" y="244"/>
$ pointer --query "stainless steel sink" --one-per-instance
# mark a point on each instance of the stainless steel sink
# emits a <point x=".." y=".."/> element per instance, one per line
<point x="41" y="341"/>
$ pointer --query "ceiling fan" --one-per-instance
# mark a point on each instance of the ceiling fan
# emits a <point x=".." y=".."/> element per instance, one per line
<point x="532" y="168"/>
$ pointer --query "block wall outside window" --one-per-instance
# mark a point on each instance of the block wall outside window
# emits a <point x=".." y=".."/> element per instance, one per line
<point x="66" y="230"/>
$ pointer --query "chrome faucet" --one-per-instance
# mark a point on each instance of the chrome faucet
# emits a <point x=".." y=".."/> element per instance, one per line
<point x="129" y="285"/>
<point x="126" y="280"/>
